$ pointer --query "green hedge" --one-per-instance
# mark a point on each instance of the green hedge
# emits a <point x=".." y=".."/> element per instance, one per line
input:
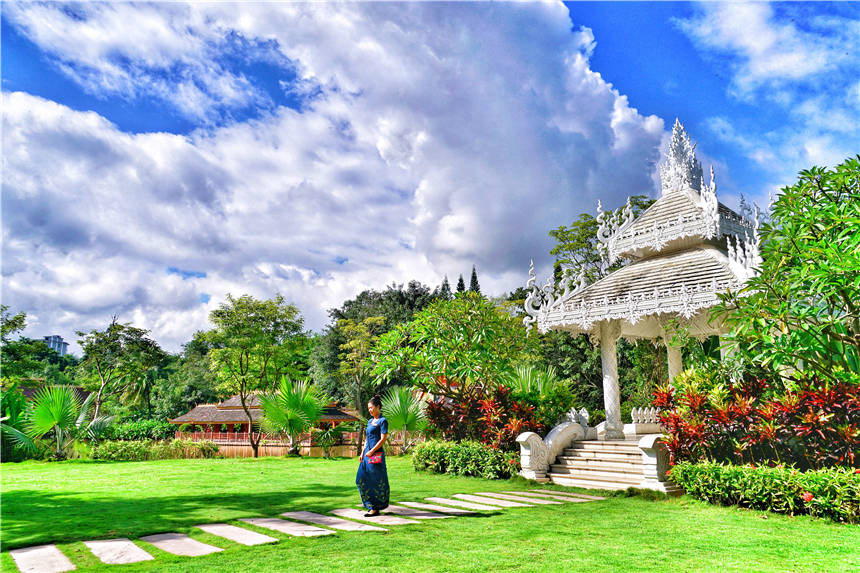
<point x="832" y="493"/>
<point x="139" y="450"/>
<point x="141" y="430"/>
<point x="465" y="459"/>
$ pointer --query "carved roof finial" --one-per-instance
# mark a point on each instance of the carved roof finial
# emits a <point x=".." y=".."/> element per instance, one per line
<point x="681" y="170"/>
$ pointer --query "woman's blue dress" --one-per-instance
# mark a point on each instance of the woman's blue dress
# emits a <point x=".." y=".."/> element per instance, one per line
<point x="372" y="479"/>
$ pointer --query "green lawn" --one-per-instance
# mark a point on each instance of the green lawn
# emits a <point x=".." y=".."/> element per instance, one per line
<point x="72" y="502"/>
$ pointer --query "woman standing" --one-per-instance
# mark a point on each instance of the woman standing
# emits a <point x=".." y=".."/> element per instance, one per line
<point x="372" y="477"/>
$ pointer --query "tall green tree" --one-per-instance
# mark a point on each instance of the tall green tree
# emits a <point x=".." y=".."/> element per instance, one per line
<point x="189" y="380"/>
<point x="115" y="358"/>
<point x="252" y="345"/>
<point x="354" y="369"/>
<point x="803" y="308"/>
<point x="461" y="284"/>
<point x="445" y="289"/>
<point x="473" y="282"/>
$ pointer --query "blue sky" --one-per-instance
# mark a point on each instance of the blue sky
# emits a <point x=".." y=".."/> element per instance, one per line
<point x="159" y="156"/>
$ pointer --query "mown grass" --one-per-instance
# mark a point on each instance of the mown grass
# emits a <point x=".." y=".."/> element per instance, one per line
<point x="73" y="502"/>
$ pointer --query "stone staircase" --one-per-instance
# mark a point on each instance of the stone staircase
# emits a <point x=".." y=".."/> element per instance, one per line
<point x="598" y="464"/>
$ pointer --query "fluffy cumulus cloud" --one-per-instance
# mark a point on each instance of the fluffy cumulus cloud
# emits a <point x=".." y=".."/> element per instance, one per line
<point x="797" y="59"/>
<point x="434" y="137"/>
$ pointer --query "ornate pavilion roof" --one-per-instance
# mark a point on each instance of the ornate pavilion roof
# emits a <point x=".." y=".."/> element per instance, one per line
<point x="686" y="248"/>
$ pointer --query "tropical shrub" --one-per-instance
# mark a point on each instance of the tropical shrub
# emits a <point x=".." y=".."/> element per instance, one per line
<point x="806" y="421"/>
<point x="832" y="493"/>
<point x="329" y="437"/>
<point x="495" y="419"/>
<point x="139" y="450"/>
<point x="404" y="410"/>
<point x="292" y="410"/>
<point x="141" y="430"/>
<point x="543" y="390"/>
<point x="465" y="459"/>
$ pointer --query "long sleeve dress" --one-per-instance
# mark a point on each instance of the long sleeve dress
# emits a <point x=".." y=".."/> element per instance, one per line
<point x="372" y="479"/>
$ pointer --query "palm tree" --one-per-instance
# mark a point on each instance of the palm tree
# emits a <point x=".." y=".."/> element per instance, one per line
<point x="404" y="410"/>
<point x="293" y="409"/>
<point x="57" y="410"/>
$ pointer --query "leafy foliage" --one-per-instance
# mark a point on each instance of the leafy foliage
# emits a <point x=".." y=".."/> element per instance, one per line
<point x="465" y="459"/>
<point x="831" y="493"/>
<point x="140" y="450"/>
<point x="404" y="410"/>
<point x="542" y="389"/>
<point x="807" y="421"/>
<point x="354" y="369"/>
<point x="329" y="437"/>
<point x="804" y="306"/>
<point x="293" y="409"/>
<point x="141" y="430"/>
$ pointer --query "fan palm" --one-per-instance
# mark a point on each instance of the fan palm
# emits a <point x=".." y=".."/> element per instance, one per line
<point x="58" y="411"/>
<point x="293" y="409"/>
<point x="404" y="410"/>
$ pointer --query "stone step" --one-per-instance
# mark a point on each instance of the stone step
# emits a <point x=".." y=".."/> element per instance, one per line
<point x="415" y="513"/>
<point x="461" y="503"/>
<point x="329" y="521"/>
<point x="236" y="534"/>
<point x="439" y="508"/>
<point x="41" y="559"/>
<point x="180" y="544"/>
<point x="571" y="467"/>
<point x="489" y="500"/>
<point x="621" y="447"/>
<point x="561" y="496"/>
<point x="117" y="551"/>
<point x="591" y="473"/>
<point x="607" y="456"/>
<point x="575" y="481"/>
<point x="522" y="498"/>
<point x="383" y="519"/>
<point x="288" y="527"/>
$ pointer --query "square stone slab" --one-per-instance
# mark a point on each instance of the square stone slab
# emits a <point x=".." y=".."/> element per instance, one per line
<point x="535" y="495"/>
<point x="180" y="544"/>
<point x="490" y="500"/>
<point x="41" y="559"/>
<point x="569" y="494"/>
<point x="237" y="534"/>
<point x="415" y="513"/>
<point x="288" y="527"/>
<point x="117" y="551"/>
<point x="524" y="499"/>
<point x="329" y="521"/>
<point x="439" y="508"/>
<point x="461" y="503"/>
<point x="380" y="519"/>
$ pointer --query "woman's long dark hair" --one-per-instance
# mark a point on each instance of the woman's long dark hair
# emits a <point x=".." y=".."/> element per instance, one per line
<point x="376" y="401"/>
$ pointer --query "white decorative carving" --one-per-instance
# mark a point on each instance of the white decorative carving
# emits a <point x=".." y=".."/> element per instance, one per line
<point x="644" y="416"/>
<point x="681" y="170"/>
<point x="744" y="256"/>
<point x="609" y="333"/>
<point x="537" y="454"/>
<point x="655" y="462"/>
<point x="541" y="301"/>
<point x="533" y="300"/>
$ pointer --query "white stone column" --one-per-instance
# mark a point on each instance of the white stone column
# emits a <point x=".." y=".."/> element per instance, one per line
<point x="676" y="362"/>
<point x="609" y="333"/>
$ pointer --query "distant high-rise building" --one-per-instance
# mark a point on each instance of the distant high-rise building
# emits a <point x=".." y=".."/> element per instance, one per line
<point x="56" y="342"/>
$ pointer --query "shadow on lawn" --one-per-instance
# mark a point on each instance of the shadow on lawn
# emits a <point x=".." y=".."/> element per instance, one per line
<point x="32" y="517"/>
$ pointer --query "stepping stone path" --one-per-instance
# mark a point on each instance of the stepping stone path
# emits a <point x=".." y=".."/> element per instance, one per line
<point x="41" y="559"/>
<point x="490" y="500"/>
<point x="49" y="559"/>
<point x="380" y="519"/>
<point x="415" y="513"/>
<point x="117" y="551"/>
<point x="439" y="508"/>
<point x="237" y="534"/>
<point x="563" y="497"/>
<point x="534" y="500"/>
<point x="288" y="527"/>
<point x="328" y="521"/>
<point x="180" y="544"/>
<point x="460" y="503"/>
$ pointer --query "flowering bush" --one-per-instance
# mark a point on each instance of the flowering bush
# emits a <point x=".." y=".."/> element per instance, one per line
<point x="465" y="459"/>
<point x="832" y="493"/>
<point x="808" y="422"/>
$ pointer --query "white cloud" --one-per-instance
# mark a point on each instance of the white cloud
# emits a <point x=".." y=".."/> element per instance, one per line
<point x="444" y="135"/>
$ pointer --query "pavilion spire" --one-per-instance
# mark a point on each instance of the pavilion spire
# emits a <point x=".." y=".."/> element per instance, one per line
<point x="682" y="169"/>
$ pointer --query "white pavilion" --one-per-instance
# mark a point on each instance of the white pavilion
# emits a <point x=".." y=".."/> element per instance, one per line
<point x="684" y="250"/>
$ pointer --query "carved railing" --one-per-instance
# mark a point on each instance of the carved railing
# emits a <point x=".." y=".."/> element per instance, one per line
<point x="645" y="416"/>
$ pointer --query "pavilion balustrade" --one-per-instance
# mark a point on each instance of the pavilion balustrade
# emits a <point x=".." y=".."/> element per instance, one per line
<point x="347" y="438"/>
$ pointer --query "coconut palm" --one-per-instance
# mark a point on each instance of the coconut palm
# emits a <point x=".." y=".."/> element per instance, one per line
<point x="293" y="409"/>
<point x="404" y="410"/>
